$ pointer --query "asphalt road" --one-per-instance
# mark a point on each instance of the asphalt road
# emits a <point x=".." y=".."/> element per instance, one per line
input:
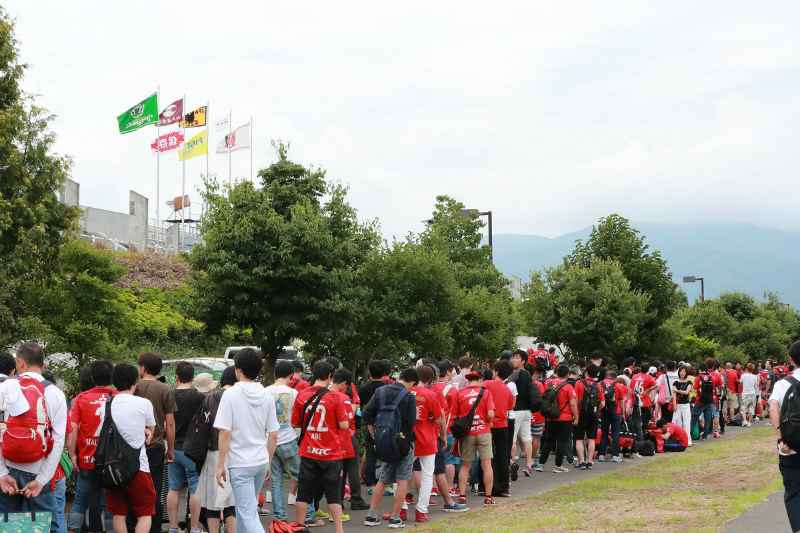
<point x="542" y="482"/>
<point x="767" y="515"/>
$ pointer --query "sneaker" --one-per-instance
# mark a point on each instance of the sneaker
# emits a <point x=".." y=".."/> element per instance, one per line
<point x="601" y="458"/>
<point x="434" y="491"/>
<point x="489" y="501"/>
<point x="409" y="498"/>
<point x="481" y="492"/>
<point x="263" y="511"/>
<point x="403" y="515"/>
<point x="432" y="502"/>
<point x="560" y="470"/>
<point x="538" y="467"/>
<point x="422" y="517"/>
<point x="514" y="472"/>
<point x="588" y="465"/>
<point x="717" y="435"/>
<point x="462" y="500"/>
<point x="580" y="466"/>
<point x="536" y="462"/>
<point x="268" y="497"/>
<point x="527" y="471"/>
<point x="321" y="514"/>
<point x="474" y="489"/>
<point x="388" y="491"/>
<point x="347" y="493"/>
<point x="616" y="459"/>
<point x="455" y="508"/>
<point x="505" y="494"/>
<point x="372" y="521"/>
<point x="345" y="518"/>
<point x="453" y="491"/>
<point x="703" y="437"/>
<point x="636" y="456"/>
<point x="291" y="499"/>
<point x="370" y="490"/>
<point x="576" y="463"/>
<point x="396" y="523"/>
<point x="359" y="506"/>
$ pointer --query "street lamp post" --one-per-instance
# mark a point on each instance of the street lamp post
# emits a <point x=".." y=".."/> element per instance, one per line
<point x="692" y="279"/>
<point x="467" y="213"/>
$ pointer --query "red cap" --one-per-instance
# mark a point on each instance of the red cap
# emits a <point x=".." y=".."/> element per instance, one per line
<point x="473" y="375"/>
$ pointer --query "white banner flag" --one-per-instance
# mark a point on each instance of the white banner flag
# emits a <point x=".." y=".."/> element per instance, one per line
<point x="239" y="139"/>
<point x="223" y="123"/>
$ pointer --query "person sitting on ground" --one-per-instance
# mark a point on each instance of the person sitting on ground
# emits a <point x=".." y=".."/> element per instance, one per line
<point x="673" y="433"/>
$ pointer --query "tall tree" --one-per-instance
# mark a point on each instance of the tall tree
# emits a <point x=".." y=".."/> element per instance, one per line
<point x="33" y="223"/>
<point x="281" y="258"/>
<point x="614" y="239"/>
<point x="586" y="308"/>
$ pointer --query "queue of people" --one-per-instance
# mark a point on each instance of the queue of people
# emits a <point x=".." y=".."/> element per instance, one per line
<point x="439" y="431"/>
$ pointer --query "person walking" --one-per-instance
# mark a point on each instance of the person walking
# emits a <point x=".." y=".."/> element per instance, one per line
<point x="248" y="437"/>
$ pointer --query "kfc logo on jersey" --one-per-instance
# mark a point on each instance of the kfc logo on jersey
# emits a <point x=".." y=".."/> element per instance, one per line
<point x="321" y="452"/>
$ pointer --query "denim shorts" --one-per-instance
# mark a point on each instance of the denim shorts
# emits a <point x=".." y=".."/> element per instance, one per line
<point x="181" y="472"/>
<point x="449" y="458"/>
<point x="400" y="470"/>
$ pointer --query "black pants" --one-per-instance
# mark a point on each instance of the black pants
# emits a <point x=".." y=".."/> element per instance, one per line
<point x="666" y="414"/>
<point x="510" y="436"/>
<point x="370" y="478"/>
<point x="500" y="460"/>
<point x="557" y="437"/>
<point x="790" y="470"/>
<point x="647" y="416"/>
<point x="347" y="464"/>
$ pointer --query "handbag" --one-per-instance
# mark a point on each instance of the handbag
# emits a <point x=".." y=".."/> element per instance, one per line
<point x="463" y="425"/>
<point x="30" y="522"/>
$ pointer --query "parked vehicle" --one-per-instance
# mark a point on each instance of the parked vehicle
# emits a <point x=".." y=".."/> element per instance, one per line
<point x="212" y="365"/>
<point x="289" y="353"/>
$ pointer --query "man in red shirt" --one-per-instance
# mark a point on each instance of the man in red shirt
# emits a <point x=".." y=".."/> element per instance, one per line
<point x="542" y="360"/>
<point x="342" y="381"/>
<point x="589" y="418"/>
<point x="503" y="403"/>
<point x="479" y="438"/>
<point x="430" y="431"/>
<point x="320" y="449"/>
<point x="559" y="430"/>
<point x="85" y="422"/>
<point x="450" y="394"/>
<point x="297" y="382"/>
<point x="644" y="384"/>
<point x="611" y="416"/>
<point x="673" y="433"/>
<point x="704" y="385"/>
<point x="732" y="383"/>
<point x="718" y="385"/>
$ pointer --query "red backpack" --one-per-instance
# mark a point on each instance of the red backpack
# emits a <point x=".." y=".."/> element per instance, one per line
<point x="28" y="437"/>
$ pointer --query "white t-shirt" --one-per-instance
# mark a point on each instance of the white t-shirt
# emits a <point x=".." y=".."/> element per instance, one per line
<point x="513" y="387"/>
<point x="749" y="384"/>
<point x="779" y="393"/>
<point x="247" y="410"/>
<point x="284" y="401"/>
<point x="132" y="414"/>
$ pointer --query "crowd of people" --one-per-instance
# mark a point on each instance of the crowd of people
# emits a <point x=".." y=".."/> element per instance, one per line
<point x="433" y="431"/>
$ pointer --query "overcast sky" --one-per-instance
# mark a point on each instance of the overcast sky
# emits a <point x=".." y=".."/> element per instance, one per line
<point x="549" y="115"/>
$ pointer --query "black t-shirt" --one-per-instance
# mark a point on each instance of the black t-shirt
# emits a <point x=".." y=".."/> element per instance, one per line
<point x="367" y="390"/>
<point x="188" y="402"/>
<point x="682" y="385"/>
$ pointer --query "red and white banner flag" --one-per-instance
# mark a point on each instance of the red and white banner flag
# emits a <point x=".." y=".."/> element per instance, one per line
<point x="239" y="139"/>
<point x="171" y="114"/>
<point x="169" y="142"/>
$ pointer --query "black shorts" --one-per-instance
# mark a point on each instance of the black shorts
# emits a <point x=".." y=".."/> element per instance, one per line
<point x="438" y="464"/>
<point x="586" y="428"/>
<point x="318" y="478"/>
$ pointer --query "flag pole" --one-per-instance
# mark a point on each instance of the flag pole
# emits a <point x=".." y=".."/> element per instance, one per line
<point x="230" y="125"/>
<point x="158" y="171"/>
<point x="251" y="148"/>
<point x="183" y="184"/>
<point x="208" y="105"/>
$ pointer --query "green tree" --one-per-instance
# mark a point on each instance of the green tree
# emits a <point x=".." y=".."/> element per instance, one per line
<point x="586" y="308"/>
<point x="614" y="239"/>
<point x="33" y="223"/>
<point x="280" y="259"/>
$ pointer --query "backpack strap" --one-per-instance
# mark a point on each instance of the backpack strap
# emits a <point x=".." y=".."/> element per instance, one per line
<point x="315" y="398"/>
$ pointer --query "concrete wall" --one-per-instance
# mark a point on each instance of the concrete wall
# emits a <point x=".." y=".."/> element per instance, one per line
<point x="107" y="224"/>
<point x="137" y="220"/>
<point x="70" y="194"/>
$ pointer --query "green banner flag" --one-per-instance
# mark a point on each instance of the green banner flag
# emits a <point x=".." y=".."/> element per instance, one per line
<point x="140" y="115"/>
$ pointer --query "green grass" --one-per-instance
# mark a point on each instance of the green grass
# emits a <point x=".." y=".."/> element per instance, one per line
<point x="695" y="491"/>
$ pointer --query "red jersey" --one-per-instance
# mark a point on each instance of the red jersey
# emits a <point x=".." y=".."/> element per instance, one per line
<point x="480" y="422"/>
<point x="580" y="387"/>
<point x="450" y="394"/>
<point x="718" y="383"/>
<point x="715" y="379"/>
<point x="301" y="384"/>
<point x="732" y="377"/>
<point x="321" y="439"/>
<point x="85" y="414"/>
<point x="566" y="394"/>
<point x="537" y="417"/>
<point x="640" y="383"/>
<point x="355" y="399"/>
<point x="619" y="392"/>
<point x="346" y="435"/>
<point x="503" y="402"/>
<point x="428" y="410"/>
<point x="678" y="433"/>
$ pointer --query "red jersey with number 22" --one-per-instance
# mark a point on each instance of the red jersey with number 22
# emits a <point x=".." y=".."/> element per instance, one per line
<point x="321" y="438"/>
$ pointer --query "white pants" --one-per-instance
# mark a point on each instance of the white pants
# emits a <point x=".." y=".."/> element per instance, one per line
<point x="426" y="465"/>
<point x="522" y="427"/>
<point x="683" y="417"/>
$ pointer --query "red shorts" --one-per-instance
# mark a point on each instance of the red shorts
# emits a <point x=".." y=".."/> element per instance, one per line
<point x="139" y="496"/>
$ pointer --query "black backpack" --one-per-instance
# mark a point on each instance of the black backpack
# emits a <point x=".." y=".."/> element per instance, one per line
<point x="391" y="444"/>
<point x="609" y="391"/>
<point x="790" y="415"/>
<point x="590" y="402"/>
<point x="706" y="389"/>
<point x="462" y="425"/>
<point x="542" y="363"/>
<point x="550" y="408"/>
<point x="195" y="443"/>
<point x="115" y="459"/>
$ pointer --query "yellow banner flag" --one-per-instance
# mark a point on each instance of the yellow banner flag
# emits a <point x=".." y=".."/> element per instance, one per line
<point x="197" y="145"/>
<point x="195" y="119"/>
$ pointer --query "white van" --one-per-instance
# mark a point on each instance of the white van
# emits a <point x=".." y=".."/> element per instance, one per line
<point x="289" y="353"/>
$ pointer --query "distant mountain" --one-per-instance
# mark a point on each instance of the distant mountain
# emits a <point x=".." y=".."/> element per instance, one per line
<point x="729" y="256"/>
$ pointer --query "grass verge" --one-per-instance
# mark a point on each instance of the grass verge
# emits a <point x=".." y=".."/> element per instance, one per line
<point x="695" y="491"/>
